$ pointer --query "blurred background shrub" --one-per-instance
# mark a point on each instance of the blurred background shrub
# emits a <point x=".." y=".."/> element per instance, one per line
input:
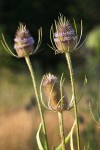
<point x="36" y="13"/>
<point x="15" y="83"/>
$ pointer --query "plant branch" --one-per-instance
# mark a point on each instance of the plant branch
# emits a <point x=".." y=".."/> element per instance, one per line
<point x="61" y="126"/>
<point x="74" y="96"/>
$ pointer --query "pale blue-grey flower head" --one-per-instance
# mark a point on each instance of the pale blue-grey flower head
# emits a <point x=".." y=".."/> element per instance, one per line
<point x="63" y="36"/>
<point x="24" y="42"/>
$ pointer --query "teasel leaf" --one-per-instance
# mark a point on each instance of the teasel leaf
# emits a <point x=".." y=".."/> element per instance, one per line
<point x="71" y="141"/>
<point x="41" y="146"/>
<point x="68" y="137"/>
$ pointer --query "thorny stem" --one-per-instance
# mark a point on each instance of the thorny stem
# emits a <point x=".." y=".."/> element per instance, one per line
<point x="27" y="59"/>
<point x="61" y="126"/>
<point x="74" y="97"/>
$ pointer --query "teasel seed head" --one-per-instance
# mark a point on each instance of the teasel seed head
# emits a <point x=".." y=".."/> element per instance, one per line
<point x="24" y="42"/>
<point x="51" y="90"/>
<point x="63" y="36"/>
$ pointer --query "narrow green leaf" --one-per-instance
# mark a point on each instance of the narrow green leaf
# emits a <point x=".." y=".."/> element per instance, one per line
<point x="38" y="138"/>
<point x="68" y="137"/>
<point x="71" y="141"/>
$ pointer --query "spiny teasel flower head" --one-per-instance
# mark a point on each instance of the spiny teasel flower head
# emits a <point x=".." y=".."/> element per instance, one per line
<point x="63" y="36"/>
<point x="51" y="90"/>
<point x="24" y="42"/>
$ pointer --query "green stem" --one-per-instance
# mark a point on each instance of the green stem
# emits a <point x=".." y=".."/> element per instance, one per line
<point x="74" y="96"/>
<point x="67" y="138"/>
<point x="27" y="59"/>
<point x="61" y="126"/>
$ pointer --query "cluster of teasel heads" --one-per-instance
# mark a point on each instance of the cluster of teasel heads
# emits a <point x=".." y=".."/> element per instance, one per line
<point x="64" y="39"/>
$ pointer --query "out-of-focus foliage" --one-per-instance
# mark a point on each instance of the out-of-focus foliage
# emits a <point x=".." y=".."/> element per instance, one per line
<point x="93" y="45"/>
<point x="93" y="41"/>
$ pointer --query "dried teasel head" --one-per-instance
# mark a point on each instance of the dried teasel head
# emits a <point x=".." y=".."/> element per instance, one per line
<point x="57" y="100"/>
<point x="24" y="42"/>
<point x="63" y="36"/>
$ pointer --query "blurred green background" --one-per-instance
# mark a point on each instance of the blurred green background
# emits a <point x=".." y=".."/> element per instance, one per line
<point x="15" y="82"/>
<point x="37" y="13"/>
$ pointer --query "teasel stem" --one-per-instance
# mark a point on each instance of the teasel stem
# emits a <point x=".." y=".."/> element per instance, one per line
<point x="68" y="58"/>
<point x="60" y="116"/>
<point x="27" y="59"/>
<point x="61" y="128"/>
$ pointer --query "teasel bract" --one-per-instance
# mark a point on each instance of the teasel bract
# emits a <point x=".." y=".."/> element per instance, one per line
<point x="54" y="93"/>
<point x="24" y="42"/>
<point x="64" y="36"/>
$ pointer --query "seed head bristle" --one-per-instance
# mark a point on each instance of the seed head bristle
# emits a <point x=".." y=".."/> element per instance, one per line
<point x="21" y="27"/>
